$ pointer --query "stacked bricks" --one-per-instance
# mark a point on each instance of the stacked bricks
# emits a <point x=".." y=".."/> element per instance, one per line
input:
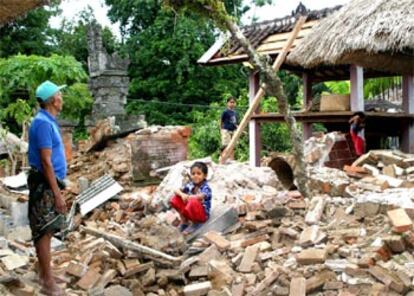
<point x="342" y="153"/>
<point x="155" y="150"/>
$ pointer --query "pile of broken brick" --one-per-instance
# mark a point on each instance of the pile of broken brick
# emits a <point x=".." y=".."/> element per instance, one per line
<point x="353" y="237"/>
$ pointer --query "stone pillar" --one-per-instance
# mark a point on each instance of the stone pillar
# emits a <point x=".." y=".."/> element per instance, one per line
<point x="108" y="78"/>
<point x="307" y="103"/>
<point x="254" y="126"/>
<point x="357" y="88"/>
<point x="407" y="141"/>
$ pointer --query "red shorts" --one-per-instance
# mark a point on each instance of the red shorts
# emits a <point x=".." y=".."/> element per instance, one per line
<point x="359" y="144"/>
<point x="192" y="209"/>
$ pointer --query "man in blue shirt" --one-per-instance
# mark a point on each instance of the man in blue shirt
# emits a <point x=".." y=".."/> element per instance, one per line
<point x="228" y="124"/>
<point x="48" y="168"/>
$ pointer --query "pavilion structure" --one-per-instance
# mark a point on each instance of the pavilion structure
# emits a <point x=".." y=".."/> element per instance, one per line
<point x="307" y="59"/>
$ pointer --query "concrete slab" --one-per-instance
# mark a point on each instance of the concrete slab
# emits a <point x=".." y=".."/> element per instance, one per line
<point x="221" y="218"/>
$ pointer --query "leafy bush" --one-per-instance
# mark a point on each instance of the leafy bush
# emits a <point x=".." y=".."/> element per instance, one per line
<point x="20" y="75"/>
<point x="205" y="139"/>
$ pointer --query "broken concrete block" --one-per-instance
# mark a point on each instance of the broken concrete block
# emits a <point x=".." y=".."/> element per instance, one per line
<point x="266" y="282"/>
<point x="117" y="290"/>
<point x="314" y="214"/>
<point x="220" y="273"/>
<point x="395" y="243"/>
<point x="371" y="169"/>
<point x="318" y="280"/>
<point x="400" y="221"/>
<point x="311" y="256"/>
<point x="14" y="261"/>
<point x="106" y="278"/>
<point x="198" y="271"/>
<point x="19" y="212"/>
<point x="217" y="239"/>
<point x="220" y="219"/>
<point x="149" y="278"/>
<point x="393" y="182"/>
<point x="387" y="278"/>
<point x="89" y="279"/>
<point x="298" y="287"/>
<point x="76" y="269"/>
<point x="389" y="171"/>
<point x="26" y="290"/>
<point x="23" y="233"/>
<point x="311" y="235"/>
<point x="254" y="240"/>
<point x="238" y="289"/>
<point x="211" y="253"/>
<point x="248" y="259"/>
<point x="197" y="289"/>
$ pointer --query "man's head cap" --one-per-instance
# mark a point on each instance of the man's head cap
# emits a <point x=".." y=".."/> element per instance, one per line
<point x="47" y="89"/>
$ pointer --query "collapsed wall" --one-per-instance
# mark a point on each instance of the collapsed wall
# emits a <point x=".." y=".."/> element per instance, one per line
<point x="231" y="183"/>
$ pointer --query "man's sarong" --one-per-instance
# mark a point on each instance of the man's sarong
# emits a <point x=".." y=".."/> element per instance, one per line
<point x="43" y="216"/>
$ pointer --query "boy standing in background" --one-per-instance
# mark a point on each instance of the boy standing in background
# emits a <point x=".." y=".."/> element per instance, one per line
<point x="228" y="124"/>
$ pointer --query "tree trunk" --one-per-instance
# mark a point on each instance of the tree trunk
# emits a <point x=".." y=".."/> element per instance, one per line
<point x="273" y="86"/>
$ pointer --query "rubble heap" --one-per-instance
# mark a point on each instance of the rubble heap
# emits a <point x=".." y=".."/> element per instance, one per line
<point x="233" y="183"/>
<point x="354" y="237"/>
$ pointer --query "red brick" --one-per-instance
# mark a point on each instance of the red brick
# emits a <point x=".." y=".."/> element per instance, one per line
<point x="332" y="155"/>
<point x="343" y="154"/>
<point x="341" y="145"/>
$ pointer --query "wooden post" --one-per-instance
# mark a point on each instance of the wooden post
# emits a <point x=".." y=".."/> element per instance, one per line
<point x="307" y="102"/>
<point x="407" y="141"/>
<point x="254" y="126"/>
<point x="357" y="88"/>
<point x="261" y="92"/>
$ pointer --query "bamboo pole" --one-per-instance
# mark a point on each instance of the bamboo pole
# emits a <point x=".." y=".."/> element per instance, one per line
<point x="261" y="92"/>
<point x="133" y="246"/>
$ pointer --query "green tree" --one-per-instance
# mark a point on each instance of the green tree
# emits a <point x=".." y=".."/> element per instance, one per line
<point x="20" y="75"/>
<point x="71" y="37"/>
<point x="205" y="138"/>
<point x="164" y="50"/>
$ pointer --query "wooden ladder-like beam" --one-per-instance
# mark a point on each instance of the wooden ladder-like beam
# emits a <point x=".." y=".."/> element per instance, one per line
<point x="261" y="92"/>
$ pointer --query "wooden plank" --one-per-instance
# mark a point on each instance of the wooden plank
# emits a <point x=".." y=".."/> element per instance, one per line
<point x="306" y="29"/>
<point x="130" y="245"/>
<point x="277" y="45"/>
<point x="259" y="95"/>
<point x="341" y="116"/>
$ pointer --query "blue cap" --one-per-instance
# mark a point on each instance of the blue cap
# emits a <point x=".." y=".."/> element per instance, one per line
<point x="47" y="89"/>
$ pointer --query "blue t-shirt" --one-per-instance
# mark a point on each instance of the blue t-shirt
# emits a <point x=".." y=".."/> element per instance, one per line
<point x="44" y="133"/>
<point x="205" y="189"/>
<point x="229" y="119"/>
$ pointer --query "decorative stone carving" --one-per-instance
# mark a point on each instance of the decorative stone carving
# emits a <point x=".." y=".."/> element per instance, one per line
<point x="108" y="77"/>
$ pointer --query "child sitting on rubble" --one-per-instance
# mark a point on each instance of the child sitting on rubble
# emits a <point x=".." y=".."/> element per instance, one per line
<point x="357" y="131"/>
<point x="193" y="202"/>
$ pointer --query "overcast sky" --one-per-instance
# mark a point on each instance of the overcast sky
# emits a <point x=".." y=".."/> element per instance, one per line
<point x="71" y="9"/>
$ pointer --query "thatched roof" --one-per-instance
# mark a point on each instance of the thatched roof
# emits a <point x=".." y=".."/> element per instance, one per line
<point x="11" y="9"/>
<point x="376" y="34"/>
